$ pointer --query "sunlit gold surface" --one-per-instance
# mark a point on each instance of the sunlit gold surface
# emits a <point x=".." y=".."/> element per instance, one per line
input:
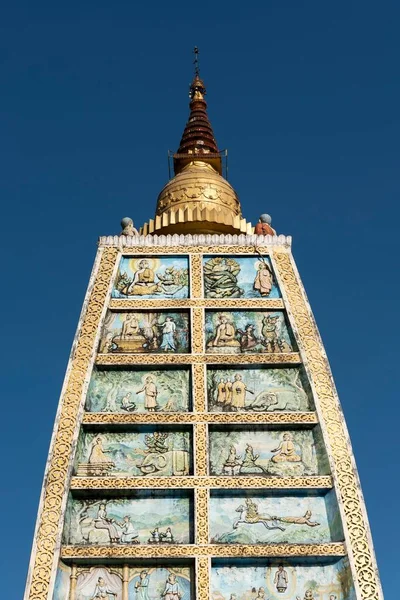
<point x="198" y="199"/>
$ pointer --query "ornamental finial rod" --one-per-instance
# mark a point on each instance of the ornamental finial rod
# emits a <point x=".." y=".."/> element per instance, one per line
<point x="196" y="62"/>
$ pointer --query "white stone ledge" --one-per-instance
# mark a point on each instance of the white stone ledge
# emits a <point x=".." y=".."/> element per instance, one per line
<point x="123" y="241"/>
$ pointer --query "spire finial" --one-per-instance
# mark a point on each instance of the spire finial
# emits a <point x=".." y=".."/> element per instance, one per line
<point x="196" y="62"/>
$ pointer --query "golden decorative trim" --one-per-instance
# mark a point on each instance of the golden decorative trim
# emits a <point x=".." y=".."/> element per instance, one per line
<point x="229" y="250"/>
<point x="244" y="482"/>
<point x="295" y="418"/>
<point x="197" y="330"/>
<point x="201" y="523"/>
<point x="199" y="389"/>
<point x="332" y="421"/>
<point x="200" y="449"/>
<point x="57" y="476"/>
<point x="169" y="303"/>
<point x="203" y="578"/>
<point x="282" y="358"/>
<point x="196" y="276"/>
<point x="189" y="551"/>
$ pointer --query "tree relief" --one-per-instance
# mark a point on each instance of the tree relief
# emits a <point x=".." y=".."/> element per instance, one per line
<point x="139" y="391"/>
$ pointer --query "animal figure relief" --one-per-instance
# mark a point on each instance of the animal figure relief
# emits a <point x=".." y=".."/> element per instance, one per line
<point x="249" y="515"/>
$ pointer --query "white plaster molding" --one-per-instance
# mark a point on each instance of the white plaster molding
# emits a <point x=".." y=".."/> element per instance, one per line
<point x="124" y="241"/>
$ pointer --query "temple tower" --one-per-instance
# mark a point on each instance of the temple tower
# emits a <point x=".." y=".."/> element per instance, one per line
<point x="199" y="450"/>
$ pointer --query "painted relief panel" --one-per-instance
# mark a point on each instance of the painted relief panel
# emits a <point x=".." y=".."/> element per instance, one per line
<point x="171" y="583"/>
<point x="146" y="332"/>
<point x="258" y="390"/>
<point x="260" y="518"/>
<point x="147" y="518"/>
<point x="145" y="582"/>
<point x="258" y="451"/>
<point x="239" y="277"/>
<point x="235" y="332"/>
<point x="166" y="390"/>
<point x="264" y="580"/>
<point x="158" y="451"/>
<point x="152" y="277"/>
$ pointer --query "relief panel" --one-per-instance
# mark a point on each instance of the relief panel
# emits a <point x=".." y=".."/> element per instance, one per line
<point x="258" y="390"/>
<point x="148" y="450"/>
<point x="239" y="277"/>
<point x="148" y="517"/>
<point x="152" y="277"/>
<point x="146" y="332"/>
<point x="146" y="581"/>
<point x="267" y="580"/>
<point x="235" y="332"/>
<point x="262" y="451"/>
<point x="254" y="517"/>
<point x="143" y="390"/>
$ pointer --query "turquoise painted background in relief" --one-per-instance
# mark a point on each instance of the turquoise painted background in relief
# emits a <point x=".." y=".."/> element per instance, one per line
<point x="151" y="450"/>
<point x="258" y="390"/>
<point x="152" y="277"/>
<point x="237" y="451"/>
<point x="251" y="517"/>
<point x="144" y="518"/>
<point x="131" y="391"/>
<point x="146" y="332"/>
<point x="239" y="277"/>
<point x="247" y="331"/>
<point x="311" y="581"/>
<point x="157" y="580"/>
<point x="145" y="582"/>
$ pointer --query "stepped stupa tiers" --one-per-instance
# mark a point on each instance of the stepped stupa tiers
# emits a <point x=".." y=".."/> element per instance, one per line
<point x="198" y="199"/>
<point x="199" y="450"/>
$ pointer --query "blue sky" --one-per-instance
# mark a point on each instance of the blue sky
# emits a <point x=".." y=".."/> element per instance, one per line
<point x="305" y="96"/>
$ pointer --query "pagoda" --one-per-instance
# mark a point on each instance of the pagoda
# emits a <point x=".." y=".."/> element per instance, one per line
<point x="199" y="449"/>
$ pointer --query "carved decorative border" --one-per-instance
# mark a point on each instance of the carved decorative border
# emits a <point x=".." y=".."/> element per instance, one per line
<point x="281" y="358"/>
<point x="200" y="449"/>
<point x="332" y="420"/>
<point x="178" y="250"/>
<point x="203" y="578"/>
<point x="217" y="550"/>
<point x="57" y="477"/>
<point x="201" y="499"/>
<point x="196" y="276"/>
<point x="273" y="418"/>
<point x="228" y="304"/>
<point x="197" y="330"/>
<point x="199" y="392"/>
<point x="243" y="482"/>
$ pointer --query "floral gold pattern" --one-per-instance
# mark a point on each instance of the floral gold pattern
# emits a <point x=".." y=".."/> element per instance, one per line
<point x="290" y="358"/>
<point x="295" y="418"/>
<point x="127" y="483"/>
<point x="184" y="551"/>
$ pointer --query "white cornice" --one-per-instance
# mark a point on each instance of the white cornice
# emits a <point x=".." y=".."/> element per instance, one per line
<point x="123" y="241"/>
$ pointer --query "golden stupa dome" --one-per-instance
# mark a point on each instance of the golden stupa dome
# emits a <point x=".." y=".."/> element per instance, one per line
<point x="199" y="199"/>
